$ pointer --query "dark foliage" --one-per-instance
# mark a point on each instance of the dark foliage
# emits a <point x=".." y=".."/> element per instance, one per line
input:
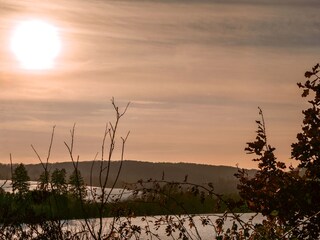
<point x="20" y="180"/>
<point x="76" y="182"/>
<point x="158" y="197"/>
<point x="58" y="180"/>
<point x="288" y="197"/>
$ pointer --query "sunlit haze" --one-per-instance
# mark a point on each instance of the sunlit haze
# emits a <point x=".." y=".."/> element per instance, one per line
<point x="195" y="72"/>
<point x="36" y="44"/>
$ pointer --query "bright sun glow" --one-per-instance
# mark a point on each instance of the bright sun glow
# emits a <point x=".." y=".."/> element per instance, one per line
<point x="36" y="44"/>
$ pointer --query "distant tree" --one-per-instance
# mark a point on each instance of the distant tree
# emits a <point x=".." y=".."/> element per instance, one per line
<point x="58" y="180"/>
<point x="20" y="180"/>
<point x="76" y="184"/>
<point x="44" y="181"/>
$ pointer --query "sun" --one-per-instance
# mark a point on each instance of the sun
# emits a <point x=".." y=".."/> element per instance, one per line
<point x="36" y="44"/>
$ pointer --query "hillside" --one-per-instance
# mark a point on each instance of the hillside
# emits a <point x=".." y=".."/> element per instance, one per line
<point x="222" y="177"/>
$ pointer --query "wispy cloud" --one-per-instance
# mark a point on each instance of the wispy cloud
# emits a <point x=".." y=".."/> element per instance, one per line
<point x="195" y="72"/>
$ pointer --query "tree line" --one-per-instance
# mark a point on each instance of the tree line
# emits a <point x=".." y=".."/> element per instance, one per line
<point x="57" y="182"/>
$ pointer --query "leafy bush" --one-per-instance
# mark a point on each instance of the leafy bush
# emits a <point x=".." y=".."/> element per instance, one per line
<point x="288" y="197"/>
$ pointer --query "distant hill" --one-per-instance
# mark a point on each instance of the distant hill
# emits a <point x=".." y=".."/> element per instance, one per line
<point x="222" y="177"/>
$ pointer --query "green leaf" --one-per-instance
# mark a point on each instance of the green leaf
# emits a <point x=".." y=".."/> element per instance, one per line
<point x="274" y="213"/>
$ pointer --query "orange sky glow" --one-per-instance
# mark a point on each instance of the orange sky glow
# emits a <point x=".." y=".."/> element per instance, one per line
<point x="195" y="73"/>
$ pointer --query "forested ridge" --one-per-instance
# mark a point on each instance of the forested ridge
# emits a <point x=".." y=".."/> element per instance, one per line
<point x="222" y="177"/>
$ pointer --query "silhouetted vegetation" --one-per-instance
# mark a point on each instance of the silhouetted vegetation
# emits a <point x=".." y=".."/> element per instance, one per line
<point x="288" y="197"/>
<point x="20" y="180"/>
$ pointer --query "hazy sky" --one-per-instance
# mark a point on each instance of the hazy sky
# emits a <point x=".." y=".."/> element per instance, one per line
<point x="194" y="71"/>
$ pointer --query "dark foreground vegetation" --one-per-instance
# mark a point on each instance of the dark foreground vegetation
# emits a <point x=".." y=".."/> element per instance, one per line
<point x="287" y="197"/>
<point x="62" y="201"/>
